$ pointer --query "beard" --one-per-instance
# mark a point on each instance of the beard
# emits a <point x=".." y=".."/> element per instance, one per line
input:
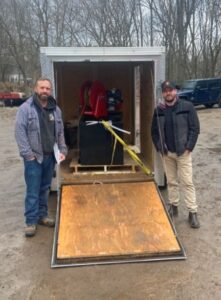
<point x="169" y="99"/>
<point x="43" y="97"/>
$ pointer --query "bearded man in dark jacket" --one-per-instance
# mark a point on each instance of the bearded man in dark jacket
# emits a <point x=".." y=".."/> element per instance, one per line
<point x="175" y="129"/>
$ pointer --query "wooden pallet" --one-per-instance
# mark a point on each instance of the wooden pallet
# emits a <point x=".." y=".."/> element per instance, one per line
<point x="129" y="166"/>
<point x="98" y="169"/>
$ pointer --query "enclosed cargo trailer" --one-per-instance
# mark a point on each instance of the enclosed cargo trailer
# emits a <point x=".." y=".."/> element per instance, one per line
<point x="137" y="73"/>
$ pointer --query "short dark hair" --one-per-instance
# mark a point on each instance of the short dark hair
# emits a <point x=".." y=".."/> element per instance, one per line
<point x="42" y="79"/>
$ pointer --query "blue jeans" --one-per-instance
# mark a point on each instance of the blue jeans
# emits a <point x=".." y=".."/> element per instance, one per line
<point x="38" y="180"/>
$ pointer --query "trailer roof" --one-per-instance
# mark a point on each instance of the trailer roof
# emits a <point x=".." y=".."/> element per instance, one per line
<point x="102" y="53"/>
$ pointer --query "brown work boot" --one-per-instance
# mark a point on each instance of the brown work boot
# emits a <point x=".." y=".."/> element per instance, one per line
<point x="30" y="230"/>
<point x="46" y="221"/>
<point x="193" y="220"/>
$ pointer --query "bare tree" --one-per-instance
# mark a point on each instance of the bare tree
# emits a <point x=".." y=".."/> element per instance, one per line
<point x="12" y="26"/>
<point x="6" y="61"/>
<point x="210" y="37"/>
<point x="190" y="30"/>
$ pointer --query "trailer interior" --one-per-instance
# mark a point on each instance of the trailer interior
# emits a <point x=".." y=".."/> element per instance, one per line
<point x="134" y="80"/>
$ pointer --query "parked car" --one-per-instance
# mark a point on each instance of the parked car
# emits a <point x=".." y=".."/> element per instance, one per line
<point x="12" y="98"/>
<point x="205" y="92"/>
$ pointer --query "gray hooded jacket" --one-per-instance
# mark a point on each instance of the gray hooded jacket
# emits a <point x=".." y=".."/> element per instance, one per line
<point x="27" y="131"/>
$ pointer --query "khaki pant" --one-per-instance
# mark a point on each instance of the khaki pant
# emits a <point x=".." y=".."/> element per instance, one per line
<point x="178" y="171"/>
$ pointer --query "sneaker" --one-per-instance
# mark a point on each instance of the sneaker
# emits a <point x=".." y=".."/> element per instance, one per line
<point x="30" y="230"/>
<point x="46" y="221"/>
<point x="173" y="210"/>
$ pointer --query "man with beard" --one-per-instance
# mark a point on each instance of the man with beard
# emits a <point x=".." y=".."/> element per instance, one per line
<point x="38" y="128"/>
<point x="175" y="129"/>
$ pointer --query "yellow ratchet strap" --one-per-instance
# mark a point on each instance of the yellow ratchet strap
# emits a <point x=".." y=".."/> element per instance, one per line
<point x="127" y="148"/>
<point x="113" y="152"/>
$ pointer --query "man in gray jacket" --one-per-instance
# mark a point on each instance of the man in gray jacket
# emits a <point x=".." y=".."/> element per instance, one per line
<point x="38" y="128"/>
<point x="175" y="129"/>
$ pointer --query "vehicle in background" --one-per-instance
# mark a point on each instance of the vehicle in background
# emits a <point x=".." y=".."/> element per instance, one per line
<point x="205" y="92"/>
<point x="12" y="98"/>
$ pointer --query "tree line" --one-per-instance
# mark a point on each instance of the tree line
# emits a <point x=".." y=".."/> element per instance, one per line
<point x="190" y="31"/>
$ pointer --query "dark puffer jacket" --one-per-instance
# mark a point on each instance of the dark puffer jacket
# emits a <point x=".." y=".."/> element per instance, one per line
<point x="185" y="123"/>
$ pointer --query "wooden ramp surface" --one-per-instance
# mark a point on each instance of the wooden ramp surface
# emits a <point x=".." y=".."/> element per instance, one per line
<point x="111" y="220"/>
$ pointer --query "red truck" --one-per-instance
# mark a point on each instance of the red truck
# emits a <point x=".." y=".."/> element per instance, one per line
<point x="11" y="98"/>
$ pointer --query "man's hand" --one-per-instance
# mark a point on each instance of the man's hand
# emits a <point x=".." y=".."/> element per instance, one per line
<point x="33" y="158"/>
<point x="61" y="157"/>
<point x="187" y="152"/>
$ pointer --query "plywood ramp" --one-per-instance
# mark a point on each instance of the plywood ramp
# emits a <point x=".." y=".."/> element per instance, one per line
<point x="113" y="220"/>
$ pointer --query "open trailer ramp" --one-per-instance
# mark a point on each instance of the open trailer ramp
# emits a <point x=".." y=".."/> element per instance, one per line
<point x="113" y="223"/>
